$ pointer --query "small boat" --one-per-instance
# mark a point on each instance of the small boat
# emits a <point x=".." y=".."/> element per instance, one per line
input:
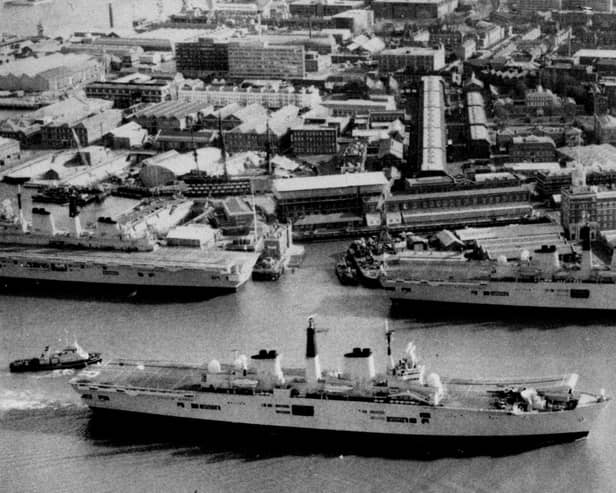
<point x="27" y="3"/>
<point x="73" y="356"/>
<point x="346" y="274"/>
<point x="268" y="269"/>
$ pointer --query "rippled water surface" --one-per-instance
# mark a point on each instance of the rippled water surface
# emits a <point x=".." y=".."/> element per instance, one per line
<point x="48" y="441"/>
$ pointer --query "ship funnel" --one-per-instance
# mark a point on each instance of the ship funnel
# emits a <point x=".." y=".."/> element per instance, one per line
<point x="503" y="267"/>
<point x="20" y="210"/>
<point x="267" y="366"/>
<point x="359" y="365"/>
<point x="74" y="225"/>
<point x="313" y="365"/>
<point x="546" y="259"/>
<point x="586" y="266"/>
<point x="73" y="214"/>
<point x="107" y="227"/>
<point x="42" y="222"/>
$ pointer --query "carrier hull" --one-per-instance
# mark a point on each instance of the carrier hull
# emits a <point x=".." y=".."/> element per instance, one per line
<point x="260" y="439"/>
<point x="122" y="391"/>
<point x="544" y="295"/>
<point x="163" y="269"/>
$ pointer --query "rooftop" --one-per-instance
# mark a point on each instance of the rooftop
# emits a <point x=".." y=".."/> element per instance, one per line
<point x="7" y="142"/>
<point x="595" y="157"/>
<point x="330" y="181"/>
<point x="176" y="109"/>
<point x="410" y="1"/>
<point x="595" y="53"/>
<point x="32" y="66"/>
<point x="533" y="139"/>
<point x="410" y="50"/>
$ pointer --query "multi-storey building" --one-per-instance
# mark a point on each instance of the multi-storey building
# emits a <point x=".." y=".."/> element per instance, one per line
<point x="541" y="98"/>
<point x="354" y="107"/>
<point x="261" y="60"/>
<point x="262" y="133"/>
<point x="413" y="9"/>
<point x="88" y="130"/>
<point x="588" y="56"/>
<point x="27" y="133"/>
<point x="595" y="5"/>
<point x="449" y="38"/>
<point x="457" y="198"/>
<point x="55" y="72"/>
<point x="532" y="148"/>
<point x="322" y="8"/>
<point x="172" y="115"/>
<point x="314" y="139"/>
<point x="436" y="210"/>
<point x="414" y="59"/>
<point x="329" y="194"/>
<point x="202" y="57"/>
<point x="271" y="96"/>
<point x="532" y="6"/>
<point x="133" y="89"/>
<point x="489" y="34"/>
<point x="583" y="205"/>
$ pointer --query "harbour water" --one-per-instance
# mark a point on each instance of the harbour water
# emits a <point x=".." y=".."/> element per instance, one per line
<point x="64" y="17"/>
<point x="49" y="442"/>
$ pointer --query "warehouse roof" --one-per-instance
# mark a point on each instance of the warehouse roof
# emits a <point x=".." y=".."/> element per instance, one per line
<point x="330" y="181"/>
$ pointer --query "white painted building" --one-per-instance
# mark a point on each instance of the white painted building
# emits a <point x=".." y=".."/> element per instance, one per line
<point x="268" y="96"/>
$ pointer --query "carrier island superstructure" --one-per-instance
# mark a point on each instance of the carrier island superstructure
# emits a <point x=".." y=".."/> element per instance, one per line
<point x="404" y="402"/>
<point x="121" y="253"/>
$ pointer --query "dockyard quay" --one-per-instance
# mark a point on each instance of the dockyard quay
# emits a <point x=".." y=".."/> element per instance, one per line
<point x="298" y="245"/>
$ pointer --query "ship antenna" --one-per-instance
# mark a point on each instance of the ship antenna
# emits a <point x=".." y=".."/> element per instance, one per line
<point x="254" y="212"/>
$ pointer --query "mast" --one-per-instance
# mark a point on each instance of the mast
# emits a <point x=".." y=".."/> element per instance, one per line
<point x="254" y="213"/>
<point x="223" y="150"/>
<point x="110" y="8"/>
<point x="194" y="149"/>
<point x="268" y="148"/>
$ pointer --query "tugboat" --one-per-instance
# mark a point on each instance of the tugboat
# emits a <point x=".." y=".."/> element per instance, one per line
<point x="268" y="269"/>
<point x="346" y="273"/>
<point x="70" y="357"/>
<point x="277" y="249"/>
<point x="361" y="255"/>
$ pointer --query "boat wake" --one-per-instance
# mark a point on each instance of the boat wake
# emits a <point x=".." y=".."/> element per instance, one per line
<point x="55" y="374"/>
<point x="15" y="404"/>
